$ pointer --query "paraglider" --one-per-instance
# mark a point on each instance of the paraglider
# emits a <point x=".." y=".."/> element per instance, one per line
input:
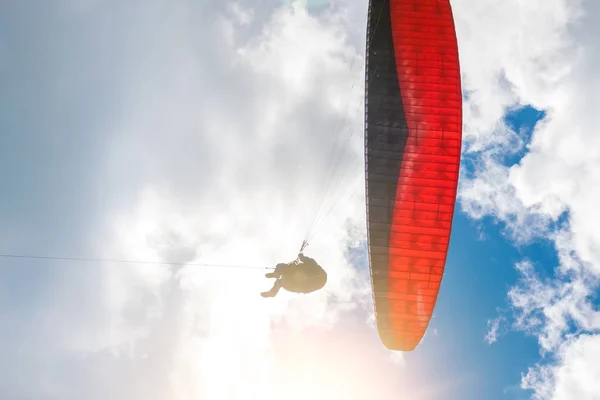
<point x="303" y="275"/>
<point x="412" y="149"/>
<point x="413" y="133"/>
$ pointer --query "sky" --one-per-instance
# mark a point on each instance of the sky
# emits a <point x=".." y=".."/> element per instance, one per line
<point x="199" y="132"/>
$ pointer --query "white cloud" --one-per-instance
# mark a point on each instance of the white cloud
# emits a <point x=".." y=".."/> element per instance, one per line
<point x="230" y="164"/>
<point x="542" y="53"/>
<point x="208" y="152"/>
<point x="574" y="375"/>
<point x="493" y="327"/>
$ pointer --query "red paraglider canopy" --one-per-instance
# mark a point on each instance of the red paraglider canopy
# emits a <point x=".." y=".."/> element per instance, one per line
<point x="413" y="134"/>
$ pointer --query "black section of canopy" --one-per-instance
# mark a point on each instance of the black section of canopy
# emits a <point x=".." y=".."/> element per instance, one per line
<point x="386" y="133"/>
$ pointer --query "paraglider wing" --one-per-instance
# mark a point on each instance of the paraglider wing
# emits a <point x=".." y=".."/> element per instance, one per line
<point x="413" y="134"/>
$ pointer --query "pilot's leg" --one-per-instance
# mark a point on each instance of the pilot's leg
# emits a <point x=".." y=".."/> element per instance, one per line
<point x="274" y="290"/>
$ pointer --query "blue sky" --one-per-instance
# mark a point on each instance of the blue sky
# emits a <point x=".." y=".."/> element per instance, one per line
<point x="194" y="132"/>
<point x="480" y="271"/>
